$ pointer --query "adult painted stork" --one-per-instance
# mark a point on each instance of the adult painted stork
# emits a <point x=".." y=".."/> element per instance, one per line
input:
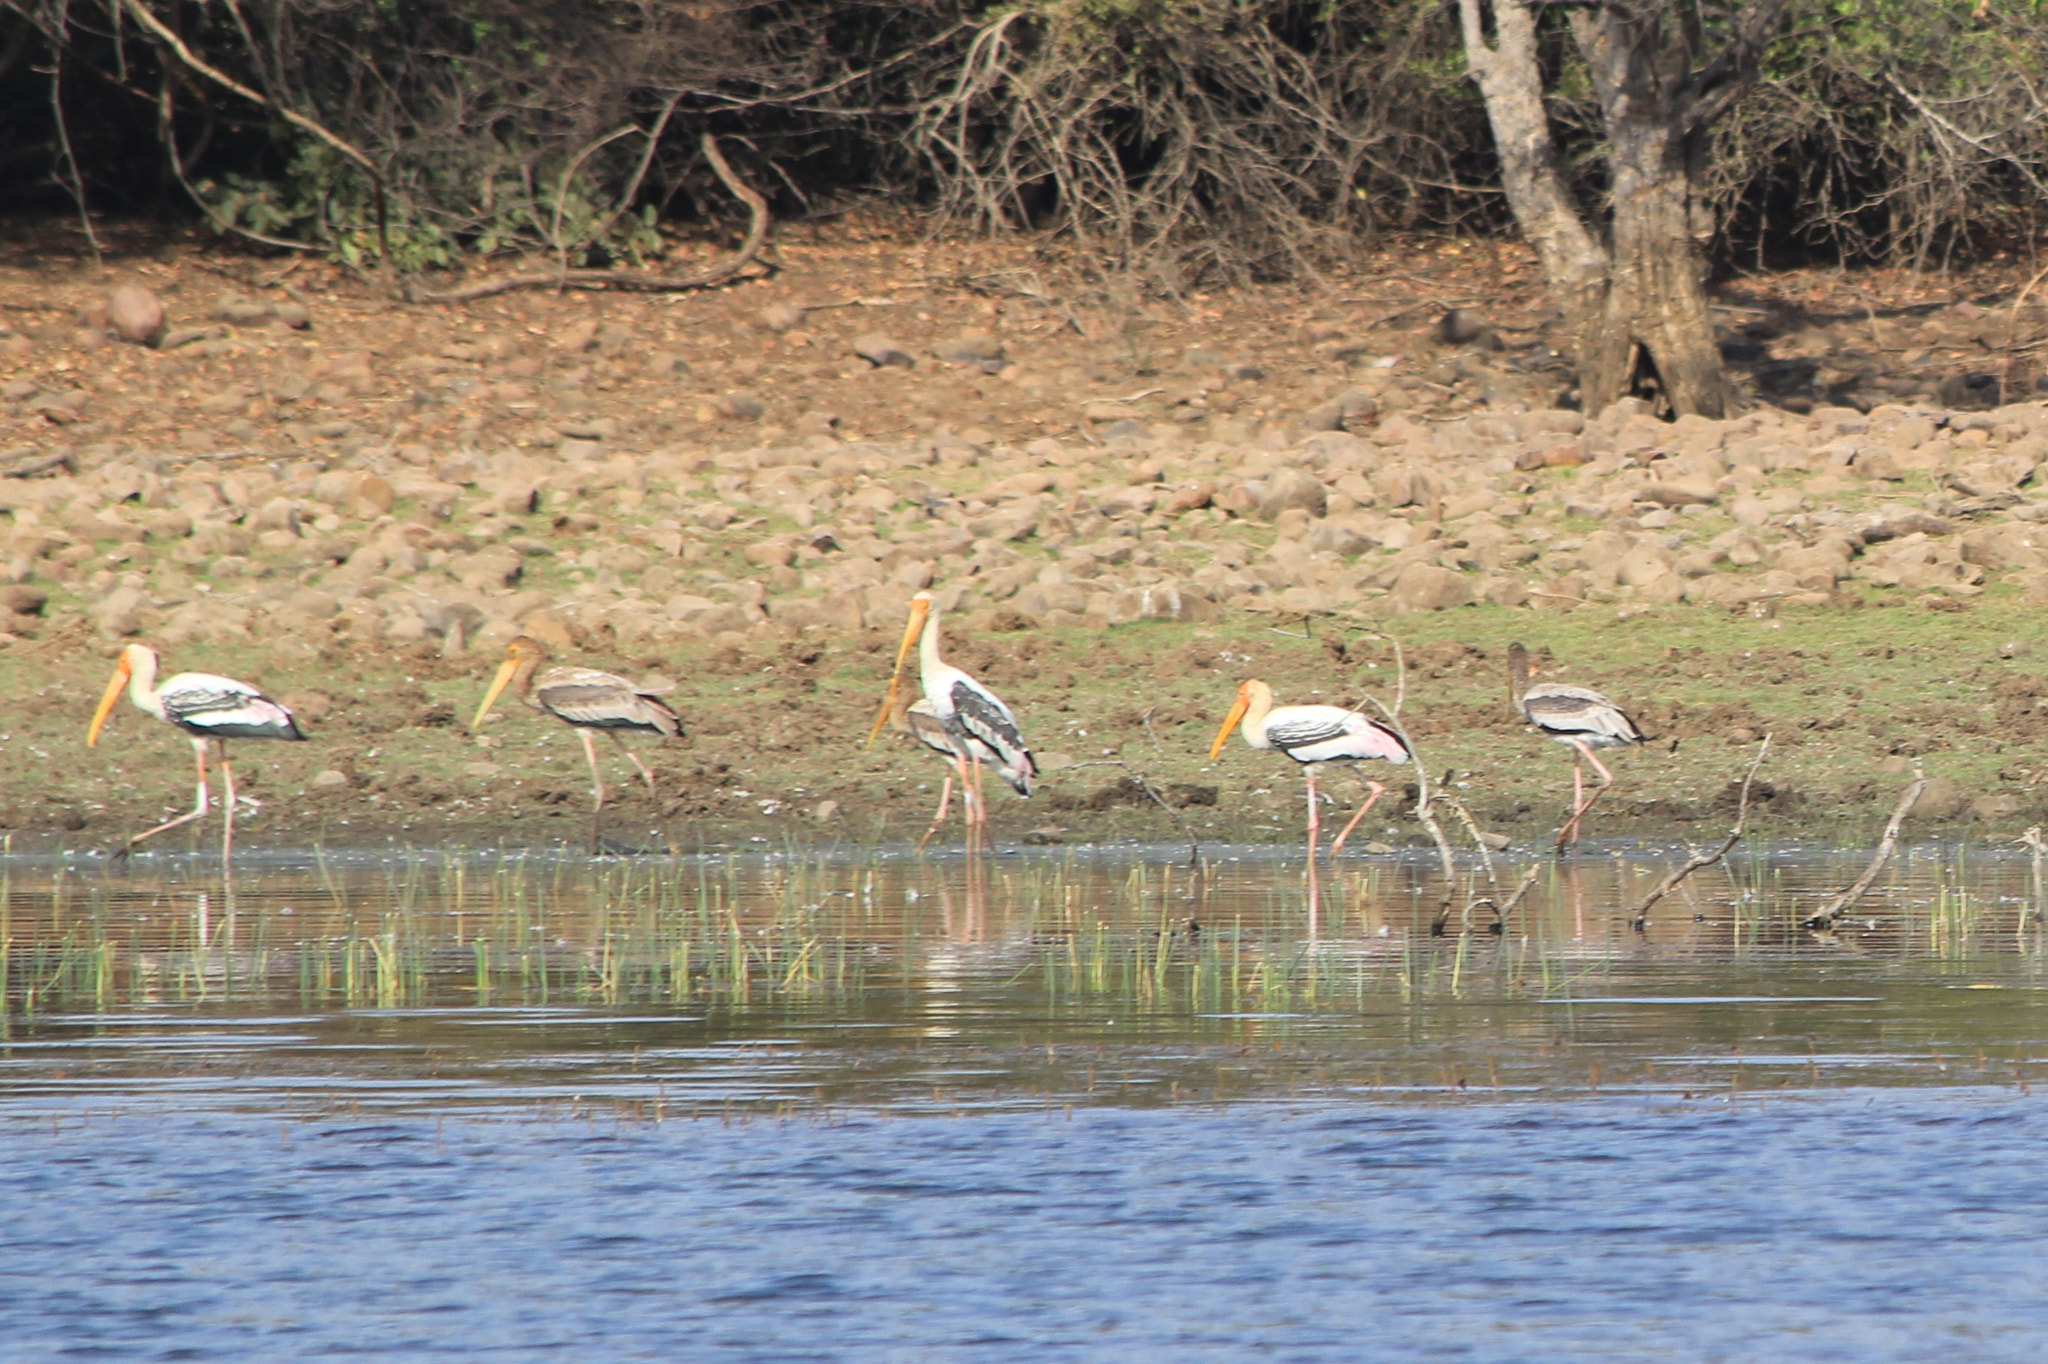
<point x="978" y="727"/>
<point x="1579" y="718"/>
<point x="586" y="700"/>
<point x="207" y="708"/>
<point x="922" y="723"/>
<point x="1312" y="735"/>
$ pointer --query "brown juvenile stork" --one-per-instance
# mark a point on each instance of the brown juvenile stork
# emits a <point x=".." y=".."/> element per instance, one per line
<point x="1578" y="717"/>
<point x="206" y="707"/>
<point x="586" y="700"/>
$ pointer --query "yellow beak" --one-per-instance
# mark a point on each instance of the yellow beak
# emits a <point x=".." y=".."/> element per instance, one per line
<point x="113" y="694"/>
<point x="1237" y="710"/>
<point x="498" y="684"/>
<point x="918" y="611"/>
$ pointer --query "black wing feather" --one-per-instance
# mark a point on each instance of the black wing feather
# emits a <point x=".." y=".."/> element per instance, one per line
<point x="981" y="715"/>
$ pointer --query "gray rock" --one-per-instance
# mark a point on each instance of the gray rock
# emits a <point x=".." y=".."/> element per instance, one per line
<point x="1975" y="391"/>
<point x="1463" y="327"/>
<point x="1352" y="410"/>
<point x="970" y="348"/>
<point x="739" y="407"/>
<point x="1428" y="587"/>
<point x="186" y="336"/>
<point x="879" y="350"/>
<point x="1293" y="488"/>
<point x="136" y="314"/>
<point x="242" y="312"/>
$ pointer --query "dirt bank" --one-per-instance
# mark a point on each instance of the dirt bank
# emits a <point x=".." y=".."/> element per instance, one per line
<point x="1124" y="506"/>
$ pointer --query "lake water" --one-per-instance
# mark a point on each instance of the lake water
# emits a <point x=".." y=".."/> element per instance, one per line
<point x="1073" y="1104"/>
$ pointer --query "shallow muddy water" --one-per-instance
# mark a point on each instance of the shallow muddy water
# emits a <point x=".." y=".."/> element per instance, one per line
<point x="1076" y="1104"/>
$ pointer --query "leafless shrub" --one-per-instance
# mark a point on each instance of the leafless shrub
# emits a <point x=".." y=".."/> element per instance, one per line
<point x="1223" y="136"/>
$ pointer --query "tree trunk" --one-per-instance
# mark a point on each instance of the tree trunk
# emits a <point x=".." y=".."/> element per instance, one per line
<point x="1574" y="262"/>
<point x="1635" y="303"/>
<point x="1657" y="297"/>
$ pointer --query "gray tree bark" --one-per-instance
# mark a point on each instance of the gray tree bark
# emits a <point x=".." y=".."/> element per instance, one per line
<point x="1632" y="287"/>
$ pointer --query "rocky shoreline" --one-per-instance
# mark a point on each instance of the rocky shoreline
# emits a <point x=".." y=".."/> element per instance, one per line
<point x="295" y="484"/>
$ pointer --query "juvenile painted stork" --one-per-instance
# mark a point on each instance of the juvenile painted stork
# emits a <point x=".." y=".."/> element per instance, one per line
<point x="979" y="729"/>
<point x="206" y="707"/>
<point x="1312" y="735"/>
<point x="1578" y="717"/>
<point x="586" y="700"/>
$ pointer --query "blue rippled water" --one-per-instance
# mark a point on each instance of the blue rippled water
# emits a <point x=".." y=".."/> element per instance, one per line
<point x="1861" y="1225"/>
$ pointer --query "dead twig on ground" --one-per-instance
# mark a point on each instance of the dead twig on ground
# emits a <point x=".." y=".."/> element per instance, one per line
<point x="1834" y="909"/>
<point x="1145" y="785"/>
<point x="634" y="281"/>
<point x="1639" y="920"/>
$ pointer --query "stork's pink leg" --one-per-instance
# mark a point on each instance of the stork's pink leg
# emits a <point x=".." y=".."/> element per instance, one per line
<point x="198" y="804"/>
<point x="939" y="819"/>
<point x="1580" y="801"/>
<point x="1315" y="825"/>
<point x="227" y="811"/>
<point x="980" y="803"/>
<point x="634" y="758"/>
<point x="966" y="802"/>
<point x="1377" y="791"/>
<point x="596" y="785"/>
<point x="1568" y="833"/>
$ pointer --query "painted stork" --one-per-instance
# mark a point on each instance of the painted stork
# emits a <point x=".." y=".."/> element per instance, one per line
<point x="586" y="700"/>
<point x="206" y="707"/>
<point x="1311" y="735"/>
<point x="922" y="723"/>
<point x="1578" y="717"/>
<point x="978" y="728"/>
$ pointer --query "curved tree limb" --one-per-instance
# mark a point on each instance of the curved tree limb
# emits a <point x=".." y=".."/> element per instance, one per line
<point x="1639" y="920"/>
<point x="1825" y="917"/>
<point x="168" y="132"/>
<point x="637" y="281"/>
<point x="193" y="62"/>
<point x="1501" y="909"/>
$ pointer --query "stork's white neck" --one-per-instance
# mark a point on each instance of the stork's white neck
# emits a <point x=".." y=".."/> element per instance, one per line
<point x="1258" y="705"/>
<point x="142" y="681"/>
<point x="929" y="664"/>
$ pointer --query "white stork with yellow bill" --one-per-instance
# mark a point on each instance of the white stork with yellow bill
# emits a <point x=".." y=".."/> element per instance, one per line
<point x="1312" y="735"/>
<point x="206" y="707"/>
<point x="960" y="718"/>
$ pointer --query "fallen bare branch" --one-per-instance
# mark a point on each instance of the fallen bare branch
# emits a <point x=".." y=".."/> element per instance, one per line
<point x="1638" y="921"/>
<point x="1194" y="844"/>
<point x="1835" y="908"/>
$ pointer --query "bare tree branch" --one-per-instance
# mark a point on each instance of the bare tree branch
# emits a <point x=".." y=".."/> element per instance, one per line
<point x="1826" y="916"/>
<point x="1639" y="920"/>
